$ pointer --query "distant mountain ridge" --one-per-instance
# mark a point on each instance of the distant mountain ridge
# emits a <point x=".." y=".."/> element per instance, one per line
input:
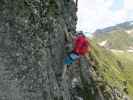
<point x="118" y="37"/>
<point x="122" y="26"/>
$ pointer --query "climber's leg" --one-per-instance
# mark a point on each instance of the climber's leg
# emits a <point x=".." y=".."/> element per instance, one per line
<point x="69" y="60"/>
<point x="71" y="57"/>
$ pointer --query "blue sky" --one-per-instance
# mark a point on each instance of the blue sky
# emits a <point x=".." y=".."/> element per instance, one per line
<point x="97" y="14"/>
<point x="117" y="5"/>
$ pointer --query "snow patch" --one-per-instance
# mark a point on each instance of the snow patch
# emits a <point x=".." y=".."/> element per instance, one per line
<point x="121" y="51"/>
<point x="130" y="51"/>
<point x="103" y="43"/>
<point x="129" y="31"/>
<point x="117" y="51"/>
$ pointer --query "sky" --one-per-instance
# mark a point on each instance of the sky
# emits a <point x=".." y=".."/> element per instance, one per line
<point x="98" y="14"/>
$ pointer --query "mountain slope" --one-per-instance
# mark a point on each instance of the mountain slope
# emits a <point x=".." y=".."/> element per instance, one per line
<point x="122" y="26"/>
<point x="109" y="67"/>
<point x="117" y="37"/>
<point x="127" y="62"/>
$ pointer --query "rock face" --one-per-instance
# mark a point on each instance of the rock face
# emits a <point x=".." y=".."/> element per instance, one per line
<point x="32" y="38"/>
<point x="32" y="48"/>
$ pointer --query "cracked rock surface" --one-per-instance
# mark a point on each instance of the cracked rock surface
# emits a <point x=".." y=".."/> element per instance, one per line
<point x="31" y="48"/>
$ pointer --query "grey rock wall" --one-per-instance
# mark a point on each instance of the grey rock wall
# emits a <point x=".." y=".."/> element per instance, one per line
<point x="32" y="38"/>
<point x="32" y="48"/>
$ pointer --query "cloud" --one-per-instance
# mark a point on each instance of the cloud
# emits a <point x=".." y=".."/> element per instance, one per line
<point x="128" y="4"/>
<point x="95" y="14"/>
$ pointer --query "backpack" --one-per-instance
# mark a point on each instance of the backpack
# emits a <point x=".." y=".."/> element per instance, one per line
<point x="81" y="44"/>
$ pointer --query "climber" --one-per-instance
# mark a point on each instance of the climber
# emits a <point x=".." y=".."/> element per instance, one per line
<point x="81" y="47"/>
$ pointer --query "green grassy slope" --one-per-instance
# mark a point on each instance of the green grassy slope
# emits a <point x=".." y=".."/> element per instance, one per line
<point x="111" y="68"/>
<point x="118" y="39"/>
<point x="127" y="62"/>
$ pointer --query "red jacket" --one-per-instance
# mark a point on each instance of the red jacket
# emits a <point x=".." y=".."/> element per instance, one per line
<point x="81" y="45"/>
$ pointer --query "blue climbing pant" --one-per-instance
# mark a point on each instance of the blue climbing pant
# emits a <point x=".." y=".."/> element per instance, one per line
<point x="71" y="57"/>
